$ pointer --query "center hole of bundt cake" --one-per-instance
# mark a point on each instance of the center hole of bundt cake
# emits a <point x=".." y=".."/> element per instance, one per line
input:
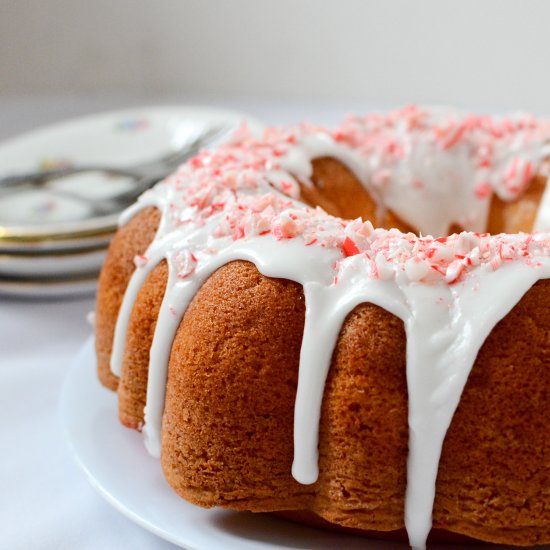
<point x="336" y="189"/>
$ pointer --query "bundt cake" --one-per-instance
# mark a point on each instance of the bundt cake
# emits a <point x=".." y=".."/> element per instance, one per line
<point x="279" y="357"/>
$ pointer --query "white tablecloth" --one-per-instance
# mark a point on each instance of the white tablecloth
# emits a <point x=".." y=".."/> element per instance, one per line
<point x="45" y="501"/>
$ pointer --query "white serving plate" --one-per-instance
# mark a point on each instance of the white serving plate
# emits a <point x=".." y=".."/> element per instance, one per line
<point x="110" y="455"/>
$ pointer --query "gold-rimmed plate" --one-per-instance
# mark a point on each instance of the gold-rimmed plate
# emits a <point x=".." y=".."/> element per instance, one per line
<point x="40" y="265"/>
<point x="37" y="219"/>
<point x="48" y="287"/>
<point x="62" y="243"/>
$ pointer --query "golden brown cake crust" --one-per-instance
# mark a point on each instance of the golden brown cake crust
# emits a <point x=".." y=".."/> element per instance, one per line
<point x="129" y="241"/>
<point x="132" y="388"/>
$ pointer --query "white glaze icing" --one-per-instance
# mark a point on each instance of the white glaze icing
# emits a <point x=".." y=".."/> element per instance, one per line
<point x="449" y="293"/>
<point x="408" y="154"/>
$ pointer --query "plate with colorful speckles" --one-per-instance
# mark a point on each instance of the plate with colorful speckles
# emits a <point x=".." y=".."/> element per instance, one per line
<point x="110" y="454"/>
<point x="59" y="213"/>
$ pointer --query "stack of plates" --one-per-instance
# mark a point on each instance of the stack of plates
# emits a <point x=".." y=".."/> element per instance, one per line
<point x="52" y="239"/>
<point x="44" y="261"/>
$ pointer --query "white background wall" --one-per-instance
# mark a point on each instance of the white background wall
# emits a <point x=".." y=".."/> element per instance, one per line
<point x="485" y="54"/>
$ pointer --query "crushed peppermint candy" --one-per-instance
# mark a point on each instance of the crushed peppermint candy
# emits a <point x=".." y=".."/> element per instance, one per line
<point x="504" y="150"/>
<point x="141" y="260"/>
<point x="447" y="259"/>
<point x="242" y="190"/>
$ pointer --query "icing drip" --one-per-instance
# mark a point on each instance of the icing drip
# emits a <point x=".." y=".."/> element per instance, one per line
<point x="442" y="346"/>
<point x="241" y="203"/>
<point x="542" y="222"/>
